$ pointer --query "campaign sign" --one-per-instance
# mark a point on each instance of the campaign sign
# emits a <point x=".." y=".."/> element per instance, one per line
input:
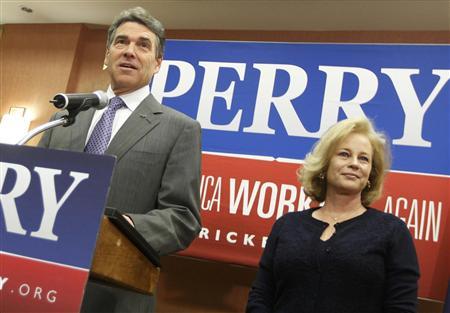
<point x="51" y="206"/>
<point x="263" y="105"/>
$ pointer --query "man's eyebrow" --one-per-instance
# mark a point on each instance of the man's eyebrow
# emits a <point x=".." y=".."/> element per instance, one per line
<point x="121" y="37"/>
<point x="142" y="38"/>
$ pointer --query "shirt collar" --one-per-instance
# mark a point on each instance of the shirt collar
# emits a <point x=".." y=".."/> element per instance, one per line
<point x="132" y="99"/>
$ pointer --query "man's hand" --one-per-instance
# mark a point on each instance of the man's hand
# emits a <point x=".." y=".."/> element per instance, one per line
<point x="129" y="220"/>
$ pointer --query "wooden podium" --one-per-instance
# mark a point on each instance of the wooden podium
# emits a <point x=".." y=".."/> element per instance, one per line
<point x="123" y="258"/>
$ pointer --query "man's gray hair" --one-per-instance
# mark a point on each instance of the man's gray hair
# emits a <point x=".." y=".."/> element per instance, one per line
<point x="141" y="16"/>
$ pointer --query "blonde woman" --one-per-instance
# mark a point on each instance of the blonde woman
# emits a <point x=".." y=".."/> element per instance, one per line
<point x="343" y="256"/>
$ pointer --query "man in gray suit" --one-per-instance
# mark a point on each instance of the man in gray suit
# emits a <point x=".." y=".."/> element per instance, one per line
<point x="157" y="175"/>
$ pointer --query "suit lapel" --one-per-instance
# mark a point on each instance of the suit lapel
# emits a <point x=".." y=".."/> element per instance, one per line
<point x="140" y="122"/>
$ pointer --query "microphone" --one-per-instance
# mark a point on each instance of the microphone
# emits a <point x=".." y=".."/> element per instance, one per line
<point x="80" y="101"/>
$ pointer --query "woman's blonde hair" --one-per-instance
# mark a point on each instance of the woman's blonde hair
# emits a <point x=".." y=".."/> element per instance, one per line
<point x="311" y="175"/>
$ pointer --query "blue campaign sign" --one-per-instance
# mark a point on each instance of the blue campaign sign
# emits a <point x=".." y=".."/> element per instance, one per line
<point x="276" y="99"/>
<point x="52" y="202"/>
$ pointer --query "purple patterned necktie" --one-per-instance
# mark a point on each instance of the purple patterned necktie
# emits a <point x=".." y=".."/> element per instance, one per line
<point x="99" y="140"/>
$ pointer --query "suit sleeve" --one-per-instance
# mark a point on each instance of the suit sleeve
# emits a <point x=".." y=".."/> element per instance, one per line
<point x="44" y="142"/>
<point x="174" y="224"/>
<point x="402" y="273"/>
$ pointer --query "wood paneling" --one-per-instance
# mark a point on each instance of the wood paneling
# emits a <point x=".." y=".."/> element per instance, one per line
<point x="437" y="37"/>
<point x="190" y="285"/>
<point x="36" y="61"/>
<point x="87" y="74"/>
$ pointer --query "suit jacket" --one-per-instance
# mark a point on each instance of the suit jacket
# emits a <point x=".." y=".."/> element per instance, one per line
<point x="156" y="179"/>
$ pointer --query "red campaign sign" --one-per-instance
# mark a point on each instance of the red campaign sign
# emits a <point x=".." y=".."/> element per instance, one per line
<point x="422" y="201"/>
<point x="28" y="285"/>
<point x="241" y="198"/>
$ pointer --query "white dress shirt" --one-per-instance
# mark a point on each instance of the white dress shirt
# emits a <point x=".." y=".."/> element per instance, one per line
<point x="132" y="100"/>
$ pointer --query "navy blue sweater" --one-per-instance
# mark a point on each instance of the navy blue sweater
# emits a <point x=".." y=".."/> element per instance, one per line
<point x="368" y="265"/>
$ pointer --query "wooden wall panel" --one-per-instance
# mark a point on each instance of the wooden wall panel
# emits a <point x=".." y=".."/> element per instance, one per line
<point x="87" y="74"/>
<point x="190" y="285"/>
<point x="36" y="61"/>
<point x="435" y="37"/>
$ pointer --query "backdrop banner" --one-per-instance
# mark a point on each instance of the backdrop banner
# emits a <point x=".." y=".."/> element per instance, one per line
<point x="263" y="105"/>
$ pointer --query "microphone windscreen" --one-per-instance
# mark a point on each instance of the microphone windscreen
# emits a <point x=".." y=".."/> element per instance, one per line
<point x="102" y="99"/>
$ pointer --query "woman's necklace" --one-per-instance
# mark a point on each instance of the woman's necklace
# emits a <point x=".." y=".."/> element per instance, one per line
<point x="342" y="217"/>
<point x="332" y="220"/>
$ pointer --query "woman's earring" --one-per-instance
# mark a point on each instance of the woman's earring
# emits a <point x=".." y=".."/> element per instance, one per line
<point x="368" y="184"/>
<point x="321" y="176"/>
<point x="104" y="66"/>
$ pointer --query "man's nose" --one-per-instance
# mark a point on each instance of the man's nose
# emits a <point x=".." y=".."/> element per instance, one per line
<point x="130" y="50"/>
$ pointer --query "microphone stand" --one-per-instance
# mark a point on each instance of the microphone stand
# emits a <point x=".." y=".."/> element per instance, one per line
<point x="65" y="120"/>
<point x="37" y="130"/>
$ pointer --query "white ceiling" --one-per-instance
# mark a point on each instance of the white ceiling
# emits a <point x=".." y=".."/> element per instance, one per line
<point x="318" y="15"/>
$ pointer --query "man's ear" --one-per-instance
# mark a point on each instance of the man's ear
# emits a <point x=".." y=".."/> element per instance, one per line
<point x="106" y="60"/>
<point x="158" y="65"/>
